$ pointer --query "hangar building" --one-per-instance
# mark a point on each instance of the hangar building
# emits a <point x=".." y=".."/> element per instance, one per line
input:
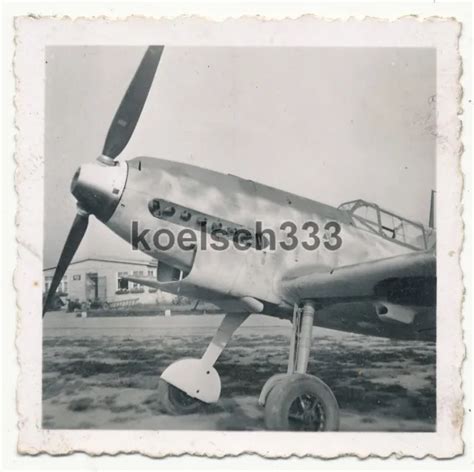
<point x="99" y="278"/>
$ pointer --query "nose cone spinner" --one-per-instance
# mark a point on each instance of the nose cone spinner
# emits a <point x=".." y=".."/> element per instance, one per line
<point x="98" y="188"/>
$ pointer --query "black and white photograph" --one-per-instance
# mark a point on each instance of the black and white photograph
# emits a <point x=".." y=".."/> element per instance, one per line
<point x="262" y="249"/>
<point x="250" y="235"/>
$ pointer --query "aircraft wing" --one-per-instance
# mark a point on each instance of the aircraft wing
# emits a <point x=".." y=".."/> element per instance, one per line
<point x="408" y="279"/>
<point x="393" y="297"/>
<point x="147" y="281"/>
<point x="228" y="304"/>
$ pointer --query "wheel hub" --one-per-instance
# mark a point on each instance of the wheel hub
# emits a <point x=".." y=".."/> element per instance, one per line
<point x="307" y="413"/>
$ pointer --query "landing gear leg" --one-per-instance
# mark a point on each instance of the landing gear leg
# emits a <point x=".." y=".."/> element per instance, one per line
<point x="188" y="384"/>
<point x="295" y="400"/>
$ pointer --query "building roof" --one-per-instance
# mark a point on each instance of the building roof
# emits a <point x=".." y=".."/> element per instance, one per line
<point x="116" y="260"/>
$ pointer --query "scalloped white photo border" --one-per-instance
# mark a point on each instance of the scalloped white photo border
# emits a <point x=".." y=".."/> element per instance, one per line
<point x="34" y="34"/>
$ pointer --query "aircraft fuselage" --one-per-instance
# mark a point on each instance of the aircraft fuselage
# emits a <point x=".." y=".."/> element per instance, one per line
<point x="187" y="192"/>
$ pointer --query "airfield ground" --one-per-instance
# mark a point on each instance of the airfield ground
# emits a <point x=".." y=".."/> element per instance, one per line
<point x="103" y="373"/>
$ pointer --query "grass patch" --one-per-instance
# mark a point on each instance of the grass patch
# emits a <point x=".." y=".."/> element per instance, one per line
<point x="81" y="404"/>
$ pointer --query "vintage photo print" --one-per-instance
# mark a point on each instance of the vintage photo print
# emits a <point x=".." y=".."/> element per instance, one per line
<point x="247" y="227"/>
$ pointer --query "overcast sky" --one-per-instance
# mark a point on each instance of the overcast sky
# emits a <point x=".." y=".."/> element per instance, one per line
<point x="329" y="124"/>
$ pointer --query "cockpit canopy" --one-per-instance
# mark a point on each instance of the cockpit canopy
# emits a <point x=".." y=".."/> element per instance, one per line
<point x="371" y="217"/>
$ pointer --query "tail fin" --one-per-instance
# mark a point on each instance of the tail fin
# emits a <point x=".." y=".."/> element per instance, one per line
<point x="432" y="210"/>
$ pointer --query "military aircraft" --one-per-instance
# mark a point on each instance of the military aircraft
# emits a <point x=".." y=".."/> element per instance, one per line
<point x="356" y="268"/>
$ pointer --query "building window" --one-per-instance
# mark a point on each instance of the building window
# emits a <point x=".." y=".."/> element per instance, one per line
<point x="63" y="286"/>
<point x="122" y="284"/>
<point x="76" y="277"/>
<point x="137" y="273"/>
<point x="151" y="273"/>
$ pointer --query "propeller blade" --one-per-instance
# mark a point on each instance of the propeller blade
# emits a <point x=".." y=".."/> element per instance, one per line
<point x="128" y="113"/>
<point x="74" y="238"/>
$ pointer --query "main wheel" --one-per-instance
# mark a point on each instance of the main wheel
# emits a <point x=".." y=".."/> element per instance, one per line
<point x="301" y="403"/>
<point x="175" y="401"/>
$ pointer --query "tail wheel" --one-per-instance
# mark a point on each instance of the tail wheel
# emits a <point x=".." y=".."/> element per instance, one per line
<point x="175" y="401"/>
<point x="301" y="403"/>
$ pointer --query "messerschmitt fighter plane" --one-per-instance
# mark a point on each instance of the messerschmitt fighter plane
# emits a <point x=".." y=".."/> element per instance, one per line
<point x="356" y="253"/>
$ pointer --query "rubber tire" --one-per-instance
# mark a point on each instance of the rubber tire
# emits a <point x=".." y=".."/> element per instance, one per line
<point x="171" y="399"/>
<point x="283" y="394"/>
